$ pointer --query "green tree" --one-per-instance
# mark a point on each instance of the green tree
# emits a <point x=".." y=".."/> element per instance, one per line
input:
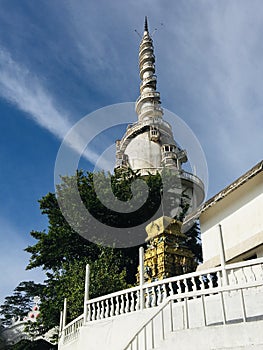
<point x="62" y="253"/>
<point x="20" y="303"/>
<point x="108" y="274"/>
<point x="32" y="345"/>
<point x="2" y="339"/>
<point x="193" y="233"/>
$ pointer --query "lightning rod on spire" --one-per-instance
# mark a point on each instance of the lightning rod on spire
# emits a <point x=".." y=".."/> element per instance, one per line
<point x="145" y="24"/>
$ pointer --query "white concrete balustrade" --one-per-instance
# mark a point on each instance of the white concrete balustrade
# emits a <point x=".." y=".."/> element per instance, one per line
<point x="71" y="331"/>
<point x="223" y="305"/>
<point x="215" y="296"/>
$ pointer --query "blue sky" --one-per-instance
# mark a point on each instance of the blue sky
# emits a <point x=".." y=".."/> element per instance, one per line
<point x="60" y="60"/>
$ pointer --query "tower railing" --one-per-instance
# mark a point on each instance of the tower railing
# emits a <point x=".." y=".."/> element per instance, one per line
<point x="148" y="95"/>
<point x="150" y="295"/>
<point x="193" y="178"/>
<point x="181" y="173"/>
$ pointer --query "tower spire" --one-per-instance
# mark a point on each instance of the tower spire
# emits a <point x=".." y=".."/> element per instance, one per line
<point x="148" y="104"/>
<point x="146" y="24"/>
<point x="148" y="146"/>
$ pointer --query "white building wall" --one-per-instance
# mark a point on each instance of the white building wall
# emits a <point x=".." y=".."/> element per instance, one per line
<point x="240" y="214"/>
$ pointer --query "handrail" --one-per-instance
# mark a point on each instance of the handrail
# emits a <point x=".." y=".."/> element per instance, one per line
<point x="118" y="293"/>
<point x="216" y="290"/>
<point x="244" y="263"/>
<point x="74" y="321"/>
<point x="153" y="294"/>
<point x="186" y="276"/>
<point x="71" y="330"/>
<point x="161" y="308"/>
<point x="156" y="283"/>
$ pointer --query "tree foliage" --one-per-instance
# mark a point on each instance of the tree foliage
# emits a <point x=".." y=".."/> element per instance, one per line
<point x="20" y="303"/>
<point x="31" y="345"/>
<point x="63" y="254"/>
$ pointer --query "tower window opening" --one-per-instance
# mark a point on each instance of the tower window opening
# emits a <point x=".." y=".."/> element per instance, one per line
<point x="154" y="133"/>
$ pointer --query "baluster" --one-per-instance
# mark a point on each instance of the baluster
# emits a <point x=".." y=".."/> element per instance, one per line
<point x="154" y="298"/>
<point x="117" y="310"/>
<point x="261" y="271"/>
<point x="210" y="281"/>
<point x="102" y="310"/>
<point x="132" y="308"/>
<point x="171" y="292"/>
<point x="127" y="306"/>
<point x="191" y="283"/>
<point x="107" y="309"/>
<point x="257" y="272"/>
<point x="164" y="291"/>
<point x="93" y="318"/>
<point x="202" y="282"/>
<point x="98" y="310"/>
<point x="194" y="286"/>
<point x="187" y="283"/>
<point x="148" y="298"/>
<point x="159" y="295"/>
<point x="122" y="304"/>
<point x="137" y="300"/>
<point x="219" y="280"/>
<point x="243" y="275"/>
<point x="89" y="313"/>
<point x="111" y="307"/>
<point x="253" y="275"/>
<point x="232" y="278"/>
<point x="179" y="286"/>
<point x="182" y="285"/>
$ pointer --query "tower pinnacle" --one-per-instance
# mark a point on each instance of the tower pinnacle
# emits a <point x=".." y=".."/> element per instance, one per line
<point x="145" y="24"/>
<point x="148" y="103"/>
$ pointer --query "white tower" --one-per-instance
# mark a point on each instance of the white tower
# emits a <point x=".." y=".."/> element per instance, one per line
<point x="148" y="146"/>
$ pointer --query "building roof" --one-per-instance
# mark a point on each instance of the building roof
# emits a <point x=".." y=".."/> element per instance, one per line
<point x="226" y="191"/>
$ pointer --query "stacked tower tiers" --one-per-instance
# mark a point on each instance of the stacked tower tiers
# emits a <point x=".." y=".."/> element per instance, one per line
<point x="148" y="146"/>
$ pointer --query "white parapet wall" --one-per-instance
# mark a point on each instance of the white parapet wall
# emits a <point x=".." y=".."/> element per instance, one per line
<point x="116" y="333"/>
<point x="199" y="300"/>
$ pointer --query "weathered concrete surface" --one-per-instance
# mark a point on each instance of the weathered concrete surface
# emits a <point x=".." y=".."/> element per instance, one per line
<point x="234" y="336"/>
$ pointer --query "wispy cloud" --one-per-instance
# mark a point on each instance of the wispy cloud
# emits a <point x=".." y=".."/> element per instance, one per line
<point x="26" y="91"/>
<point x="21" y="87"/>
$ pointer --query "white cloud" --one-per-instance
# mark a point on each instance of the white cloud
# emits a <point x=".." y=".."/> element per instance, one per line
<point x="22" y="88"/>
